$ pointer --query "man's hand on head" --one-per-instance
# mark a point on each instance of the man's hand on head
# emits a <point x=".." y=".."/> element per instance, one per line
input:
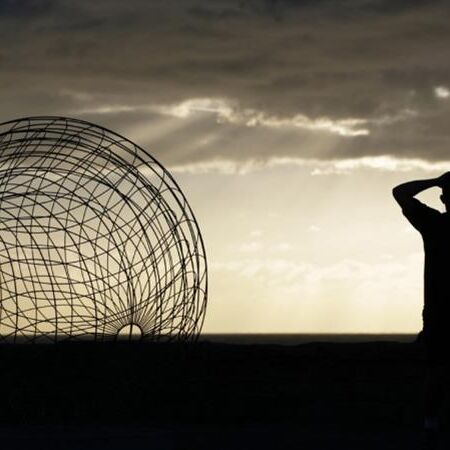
<point x="444" y="179"/>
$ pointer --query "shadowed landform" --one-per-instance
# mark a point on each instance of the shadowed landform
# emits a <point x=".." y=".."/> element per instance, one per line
<point x="213" y="395"/>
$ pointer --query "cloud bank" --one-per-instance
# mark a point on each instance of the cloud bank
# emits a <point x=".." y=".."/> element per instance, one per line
<point x="240" y="82"/>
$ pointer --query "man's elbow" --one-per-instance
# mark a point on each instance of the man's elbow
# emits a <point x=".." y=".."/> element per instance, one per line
<point x="400" y="195"/>
<point x="396" y="192"/>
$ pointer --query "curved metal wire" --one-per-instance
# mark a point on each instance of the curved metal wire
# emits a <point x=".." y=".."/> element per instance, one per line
<point x="97" y="240"/>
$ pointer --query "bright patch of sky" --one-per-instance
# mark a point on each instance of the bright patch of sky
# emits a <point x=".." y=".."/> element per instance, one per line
<point x="293" y="252"/>
<point x="441" y="92"/>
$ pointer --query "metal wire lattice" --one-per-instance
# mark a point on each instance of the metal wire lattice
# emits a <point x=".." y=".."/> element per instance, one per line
<point x="97" y="241"/>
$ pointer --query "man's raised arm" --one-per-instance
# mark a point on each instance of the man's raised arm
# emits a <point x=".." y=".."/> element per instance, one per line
<point x="405" y="191"/>
<point x="419" y="215"/>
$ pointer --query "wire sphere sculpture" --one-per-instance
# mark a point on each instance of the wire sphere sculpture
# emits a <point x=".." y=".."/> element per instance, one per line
<point x="97" y="241"/>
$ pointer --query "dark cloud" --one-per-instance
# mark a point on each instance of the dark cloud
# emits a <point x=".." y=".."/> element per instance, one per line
<point x="31" y="8"/>
<point x="370" y="60"/>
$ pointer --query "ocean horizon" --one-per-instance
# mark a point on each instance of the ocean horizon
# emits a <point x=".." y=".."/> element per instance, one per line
<point x="288" y="339"/>
<point x="303" y="338"/>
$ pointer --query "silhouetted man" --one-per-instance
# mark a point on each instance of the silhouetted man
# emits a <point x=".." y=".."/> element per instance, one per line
<point x="434" y="227"/>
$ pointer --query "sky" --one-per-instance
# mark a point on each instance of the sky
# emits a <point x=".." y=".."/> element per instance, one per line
<point x="285" y="123"/>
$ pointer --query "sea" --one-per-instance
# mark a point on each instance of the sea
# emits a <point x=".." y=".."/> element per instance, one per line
<point x="297" y="339"/>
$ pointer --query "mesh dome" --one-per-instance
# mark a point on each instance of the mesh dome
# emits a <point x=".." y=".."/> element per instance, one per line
<point x="96" y="238"/>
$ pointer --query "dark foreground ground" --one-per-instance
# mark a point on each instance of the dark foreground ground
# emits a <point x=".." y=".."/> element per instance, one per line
<point x="213" y="396"/>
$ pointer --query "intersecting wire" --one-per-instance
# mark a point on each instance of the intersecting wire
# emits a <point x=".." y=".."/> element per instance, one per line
<point x="95" y="237"/>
